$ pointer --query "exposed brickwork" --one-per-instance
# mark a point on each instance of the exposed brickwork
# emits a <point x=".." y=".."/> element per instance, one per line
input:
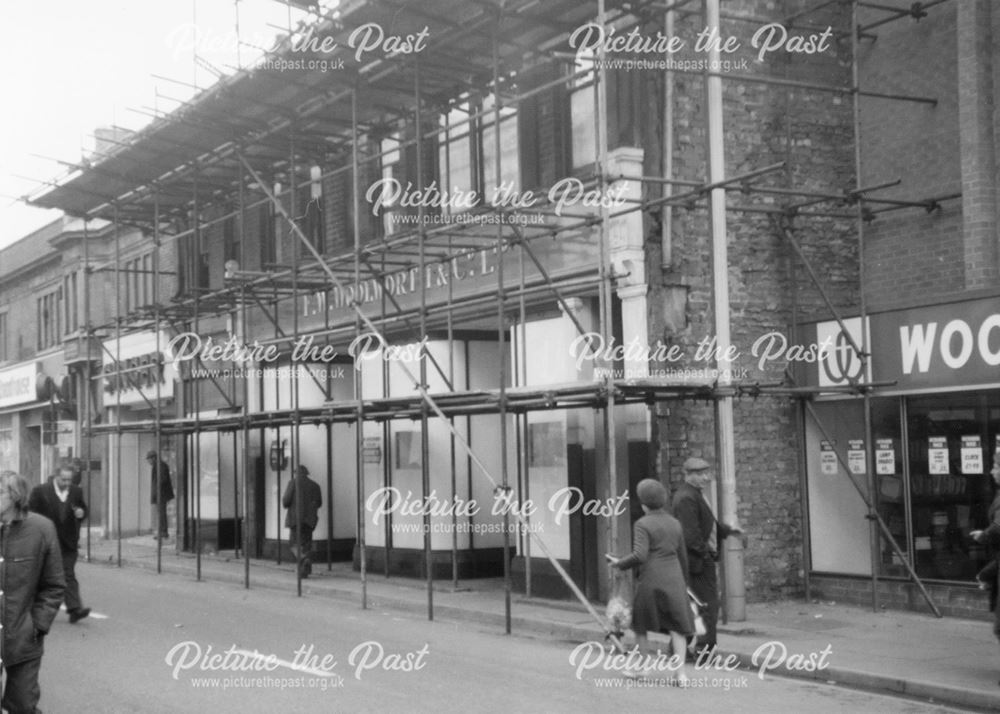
<point x="764" y="124"/>
<point x="936" y="150"/>
<point x="969" y="603"/>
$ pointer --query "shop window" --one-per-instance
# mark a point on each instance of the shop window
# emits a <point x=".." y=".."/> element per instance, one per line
<point x="951" y="442"/>
<point x="890" y="488"/>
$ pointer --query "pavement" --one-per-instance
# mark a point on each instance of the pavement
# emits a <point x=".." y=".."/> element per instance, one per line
<point x="948" y="661"/>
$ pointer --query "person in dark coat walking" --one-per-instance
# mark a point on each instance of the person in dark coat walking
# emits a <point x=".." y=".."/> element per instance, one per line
<point x="658" y="551"/>
<point x="160" y="484"/>
<point x="990" y="575"/>
<point x="31" y="589"/>
<point x="702" y="534"/>
<point x="62" y="503"/>
<point x="302" y="515"/>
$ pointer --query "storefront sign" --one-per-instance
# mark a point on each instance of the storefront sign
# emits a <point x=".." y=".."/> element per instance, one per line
<point x="937" y="455"/>
<point x="17" y="384"/>
<point x="856" y="457"/>
<point x="941" y="346"/>
<point x="842" y="363"/>
<point x="464" y="275"/>
<point x="132" y="369"/>
<point x="972" y="455"/>
<point x="885" y="457"/>
<point x="827" y="459"/>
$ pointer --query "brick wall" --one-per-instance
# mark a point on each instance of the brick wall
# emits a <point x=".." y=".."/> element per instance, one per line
<point x="913" y="256"/>
<point x="764" y="124"/>
<point x="965" y="602"/>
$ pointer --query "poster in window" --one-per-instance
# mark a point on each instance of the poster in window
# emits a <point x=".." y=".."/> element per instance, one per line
<point x="972" y="455"/>
<point x="885" y="457"/>
<point x="827" y="459"/>
<point x="856" y="457"/>
<point x="937" y="455"/>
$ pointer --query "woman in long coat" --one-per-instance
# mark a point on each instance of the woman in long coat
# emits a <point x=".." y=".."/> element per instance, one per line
<point x="658" y="551"/>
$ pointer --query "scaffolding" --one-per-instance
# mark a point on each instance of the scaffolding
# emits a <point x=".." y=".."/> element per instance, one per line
<point x="228" y="142"/>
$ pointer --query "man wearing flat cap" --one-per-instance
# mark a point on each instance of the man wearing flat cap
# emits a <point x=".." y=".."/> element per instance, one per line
<point x="303" y="499"/>
<point x="702" y="535"/>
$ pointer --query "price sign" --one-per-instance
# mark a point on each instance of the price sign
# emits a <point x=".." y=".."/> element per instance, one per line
<point x="827" y="459"/>
<point x="856" y="456"/>
<point x="972" y="455"/>
<point x="885" y="457"/>
<point x="937" y="455"/>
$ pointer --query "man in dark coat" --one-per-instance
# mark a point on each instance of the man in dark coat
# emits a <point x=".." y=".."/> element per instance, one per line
<point x="62" y="503"/>
<point x="702" y="535"/>
<point x="990" y="575"/>
<point x="161" y="485"/>
<point x="302" y="499"/>
<point x="31" y="589"/>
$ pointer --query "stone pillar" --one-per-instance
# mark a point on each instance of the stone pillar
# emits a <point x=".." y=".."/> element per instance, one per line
<point x="627" y="254"/>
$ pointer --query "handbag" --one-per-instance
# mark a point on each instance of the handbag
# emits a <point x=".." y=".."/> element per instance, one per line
<point x="697" y="606"/>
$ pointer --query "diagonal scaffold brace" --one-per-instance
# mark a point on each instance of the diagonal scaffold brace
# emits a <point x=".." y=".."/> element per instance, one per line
<point x="433" y="406"/>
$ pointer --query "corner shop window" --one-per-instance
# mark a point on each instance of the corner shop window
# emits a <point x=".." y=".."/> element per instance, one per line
<point x="952" y="439"/>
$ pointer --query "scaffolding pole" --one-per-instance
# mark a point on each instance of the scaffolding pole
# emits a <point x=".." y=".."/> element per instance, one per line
<point x="863" y="354"/>
<point x="733" y="583"/>
<point x="88" y="376"/>
<point x="118" y="395"/>
<point x="358" y="382"/>
<point x="160" y="507"/>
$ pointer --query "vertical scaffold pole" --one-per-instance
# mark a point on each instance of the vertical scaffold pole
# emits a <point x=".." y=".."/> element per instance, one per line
<point x="156" y="414"/>
<point x="501" y="337"/>
<point x="196" y="385"/>
<point x="425" y="450"/>
<point x="873" y="527"/>
<point x="118" y="391"/>
<point x="733" y="585"/>
<point x="293" y="477"/>
<point x="88" y="420"/>
<point x="606" y="283"/>
<point x="358" y="383"/>
<point x="243" y="525"/>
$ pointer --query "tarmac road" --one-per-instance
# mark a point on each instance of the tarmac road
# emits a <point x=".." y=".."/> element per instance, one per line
<point x="170" y="644"/>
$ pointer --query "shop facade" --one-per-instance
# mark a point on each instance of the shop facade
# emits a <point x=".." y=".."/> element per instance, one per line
<point x="935" y="436"/>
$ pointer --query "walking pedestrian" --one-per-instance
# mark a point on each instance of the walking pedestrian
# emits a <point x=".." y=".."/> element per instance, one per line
<point x="31" y="588"/>
<point x="62" y="503"/>
<point x="661" y="600"/>
<point x="703" y="533"/>
<point x="990" y="575"/>
<point x="302" y="515"/>
<point x="161" y="491"/>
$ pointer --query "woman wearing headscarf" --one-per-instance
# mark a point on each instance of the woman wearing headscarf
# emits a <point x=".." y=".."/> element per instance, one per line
<point x="658" y="551"/>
